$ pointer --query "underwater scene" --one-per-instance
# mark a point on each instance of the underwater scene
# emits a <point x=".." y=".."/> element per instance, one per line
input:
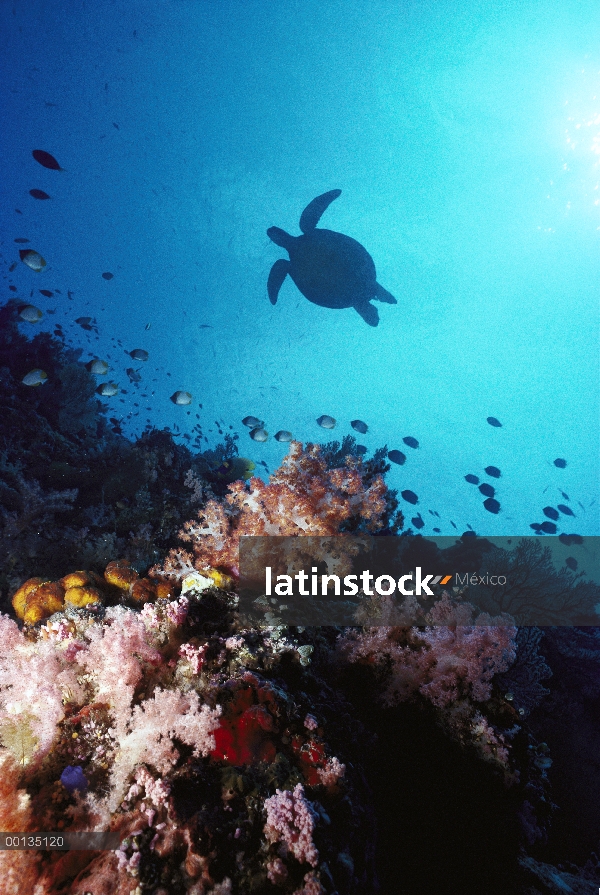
<point x="310" y="284"/>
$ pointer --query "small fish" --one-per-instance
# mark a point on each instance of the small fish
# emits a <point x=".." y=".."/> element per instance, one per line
<point x="46" y="292"/>
<point x="567" y="511"/>
<point x="397" y="457"/>
<point x="452" y="524"/>
<point x="536" y="527"/>
<point x="471" y="479"/>
<point x="252" y="422"/>
<point x="565" y="496"/>
<point x="107" y="275"/>
<point x="550" y="512"/>
<point x="493" y="471"/>
<point x="326" y="422"/>
<point x="30" y="313"/>
<point x="411" y="442"/>
<point x="282" y="435"/>
<point x="97" y="367"/>
<point x="409" y="496"/>
<point x="487" y="490"/>
<point x="138" y="354"/>
<point x="39" y="194"/>
<point x="148" y="325"/>
<point x="359" y="426"/>
<point x="498" y="425"/>
<point x="571" y="563"/>
<point x="46" y="160"/>
<point x="360" y="449"/>
<point x="134" y="376"/>
<point x="548" y="527"/>
<point x="182" y="399"/>
<point x="417" y="521"/>
<point x="21" y="240"/>
<point x="108" y="389"/>
<point x="85" y="321"/>
<point x="491" y="505"/>
<point x="32" y="259"/>
<point x="567" y="540"/>
<point x="35" y="377"/>
<point x="205" y="326"/>
<point x="12" y="267"/>
<point x="259" y="434"/>
<point x="560" y="462"/>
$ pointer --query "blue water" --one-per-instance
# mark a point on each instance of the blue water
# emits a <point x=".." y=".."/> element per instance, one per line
<point x="466" y="141"/>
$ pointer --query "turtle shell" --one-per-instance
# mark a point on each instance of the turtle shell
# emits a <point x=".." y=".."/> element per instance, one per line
<point x="331" y="269"/>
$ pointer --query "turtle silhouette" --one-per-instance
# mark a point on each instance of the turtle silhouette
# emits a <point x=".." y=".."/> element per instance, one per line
<point x="330" y="269"/>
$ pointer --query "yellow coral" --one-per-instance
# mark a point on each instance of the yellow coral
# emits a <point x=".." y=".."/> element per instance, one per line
<point x="83" y="595"/>
<point x="143" y="590"/>
<point x="38" y="599"/>
<point x="80" y="579"/>
<point x="221" y="580"/>
<point x="120" y="574"/>
<point x="166" y="590"/>
<point x="19" y="600"/>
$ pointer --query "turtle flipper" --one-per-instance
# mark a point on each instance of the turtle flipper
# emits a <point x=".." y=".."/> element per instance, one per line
<point x="382" y="294"/>
<point x="313" y="211"/>
<point x="368" y="313"/>
<point x="277" y="275"/>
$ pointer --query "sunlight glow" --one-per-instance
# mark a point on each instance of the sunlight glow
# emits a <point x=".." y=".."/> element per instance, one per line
<point x="581" y="165"/>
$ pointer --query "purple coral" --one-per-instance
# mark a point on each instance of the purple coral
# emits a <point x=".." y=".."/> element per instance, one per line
<point x="73" y="778"/>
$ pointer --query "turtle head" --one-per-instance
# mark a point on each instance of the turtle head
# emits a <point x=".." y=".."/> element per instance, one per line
<point x="280" y="237"/>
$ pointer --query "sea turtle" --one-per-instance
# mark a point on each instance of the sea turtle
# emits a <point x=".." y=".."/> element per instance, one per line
<point x="329" y="268"/>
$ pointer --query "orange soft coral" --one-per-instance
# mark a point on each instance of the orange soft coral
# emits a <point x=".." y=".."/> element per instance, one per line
<point x="303" y="497"/>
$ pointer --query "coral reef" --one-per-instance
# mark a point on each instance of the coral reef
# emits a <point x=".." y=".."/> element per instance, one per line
<point x="237" y="760"/>
<point x="303" y="497"/>
<point x="451" y="663"/>
<point x="74" y="492"/>
<point x="176" y="740"/>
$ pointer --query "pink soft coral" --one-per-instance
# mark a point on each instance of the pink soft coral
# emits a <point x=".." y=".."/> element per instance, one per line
<point x="303" y="497"/>
<point x="153" y="725"/>
<point x="116" y="657"/>
<point x="34" y="677"/>
<point x="456" y="657"/>
<point x="291" y="820"/>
